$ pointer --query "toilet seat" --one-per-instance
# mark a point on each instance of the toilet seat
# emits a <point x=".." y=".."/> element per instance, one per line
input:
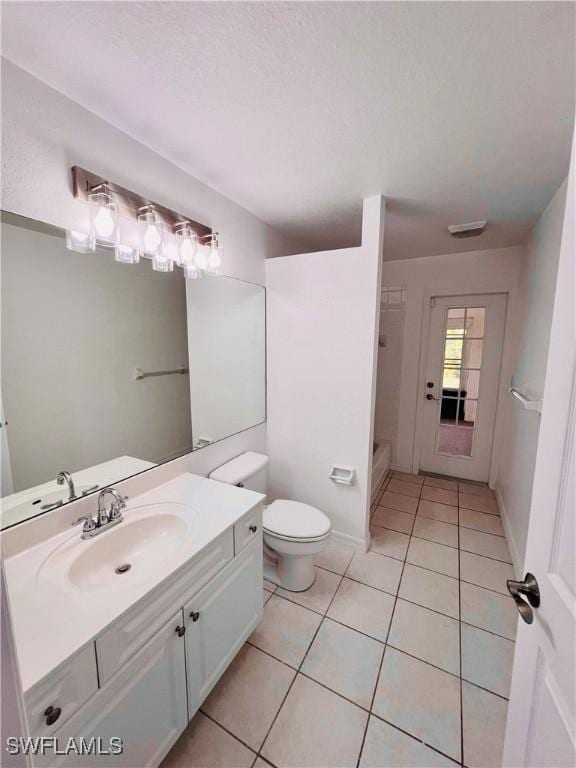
<point x="294" y="521"/>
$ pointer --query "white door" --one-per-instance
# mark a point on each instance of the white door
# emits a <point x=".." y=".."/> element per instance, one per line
<point x="540" y="730"/>
<point x="461" y="384"/>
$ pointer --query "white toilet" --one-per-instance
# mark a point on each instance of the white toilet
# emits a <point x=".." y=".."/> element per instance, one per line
<point x="293" y="532"/>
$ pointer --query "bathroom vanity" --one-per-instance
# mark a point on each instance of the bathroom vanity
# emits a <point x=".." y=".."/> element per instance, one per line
<point x="125" y="635"/>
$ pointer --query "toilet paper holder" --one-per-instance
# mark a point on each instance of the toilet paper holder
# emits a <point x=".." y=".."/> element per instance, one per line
<point x="342" y="475"/>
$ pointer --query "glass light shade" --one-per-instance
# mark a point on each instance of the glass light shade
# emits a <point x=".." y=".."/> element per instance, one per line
<point x="151" y="232"/>
<point x="81" y="242"/>
<point x="202" y="257"/>
<point x="170" y="249"/>
<point x="214" y="258"/>
<point x="103" y="218"/>
<point x="191" y="271"/>
<point x="187" y="245"/>
<point x="161" y="263"/>
<point x="125" y="254"/>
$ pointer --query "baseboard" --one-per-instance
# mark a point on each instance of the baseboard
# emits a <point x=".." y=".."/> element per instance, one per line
<point x="509" y="535"/>
<point x="351" y="541"/>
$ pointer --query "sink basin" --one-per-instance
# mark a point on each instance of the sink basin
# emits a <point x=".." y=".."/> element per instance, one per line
<point x="117" y="558"/>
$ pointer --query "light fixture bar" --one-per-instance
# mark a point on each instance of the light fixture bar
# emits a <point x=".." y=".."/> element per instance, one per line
<point x="129" y="203"/>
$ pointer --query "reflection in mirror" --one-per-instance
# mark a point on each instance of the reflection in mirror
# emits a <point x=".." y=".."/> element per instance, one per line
<point x="81" y="335"/>
<point x="226" y="341"/>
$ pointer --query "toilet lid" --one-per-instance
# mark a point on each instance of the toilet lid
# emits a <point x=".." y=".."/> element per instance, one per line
<point x="295" y="520"/>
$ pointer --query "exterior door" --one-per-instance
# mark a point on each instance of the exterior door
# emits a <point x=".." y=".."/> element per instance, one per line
<point x="461" y="385"/>
<point x="540" y="730"/>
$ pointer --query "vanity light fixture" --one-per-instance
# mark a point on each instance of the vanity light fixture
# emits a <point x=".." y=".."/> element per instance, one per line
<point x="135" y="226"/>
<point x="103" y="215"/>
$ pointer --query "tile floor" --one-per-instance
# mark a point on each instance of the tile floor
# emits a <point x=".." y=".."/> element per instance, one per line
<point x="400" y="656"/>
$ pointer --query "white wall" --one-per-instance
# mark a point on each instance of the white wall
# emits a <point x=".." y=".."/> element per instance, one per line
<point x="322" y="311"/>
<point x="521" y="427"/>
<point x="44" y="134"/>
<point x="491" y="271"/>
<point x="227" y="351"/>
<point x="74" y="327"/>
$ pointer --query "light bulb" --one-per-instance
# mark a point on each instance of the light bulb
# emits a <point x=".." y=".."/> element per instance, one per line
<point x="104" y="222"/>
<point x="152" y="238"/>
<point x="187" y="249"/>
<point x="201" y="260"/>
<point x="151" y="231"/>
<point x="214" y="258"/>
<point x="103" y="216"/>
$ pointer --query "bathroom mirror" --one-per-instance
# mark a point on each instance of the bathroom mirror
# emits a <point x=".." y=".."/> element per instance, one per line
<point x="109" y="369"/>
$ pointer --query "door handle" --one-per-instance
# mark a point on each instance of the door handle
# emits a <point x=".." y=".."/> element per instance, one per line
<point x="531" y="591"/>
<point x="431" y="397"/>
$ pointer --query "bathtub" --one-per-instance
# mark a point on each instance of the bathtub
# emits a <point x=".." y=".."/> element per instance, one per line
<point x="381" y="456"/>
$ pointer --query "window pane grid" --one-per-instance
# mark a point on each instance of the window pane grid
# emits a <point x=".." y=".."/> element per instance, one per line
<point x="463" y="347"/>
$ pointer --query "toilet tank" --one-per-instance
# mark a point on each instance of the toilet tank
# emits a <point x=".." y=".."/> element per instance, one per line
<point x="247" y="471"/>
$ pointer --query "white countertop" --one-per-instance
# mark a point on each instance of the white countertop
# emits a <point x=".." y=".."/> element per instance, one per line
<point x="51" y="621"/>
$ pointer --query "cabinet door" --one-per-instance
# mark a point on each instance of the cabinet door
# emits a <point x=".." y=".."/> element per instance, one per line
<point x="144" y="705"/>
<point x="219" y="619"/>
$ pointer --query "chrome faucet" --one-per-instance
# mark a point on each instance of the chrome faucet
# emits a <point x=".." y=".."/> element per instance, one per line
<point x="104" y="519"/>
<point x="66" y="477"/>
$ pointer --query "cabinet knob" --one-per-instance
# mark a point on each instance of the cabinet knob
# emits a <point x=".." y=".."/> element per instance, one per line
<point x="195" y="615"/>
<point x="253" y="528"/>
<point x="52" y="714"/>
<point x="180" y="631"/>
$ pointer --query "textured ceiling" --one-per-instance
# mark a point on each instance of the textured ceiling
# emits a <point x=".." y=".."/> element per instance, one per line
<point x="296" y="111"/>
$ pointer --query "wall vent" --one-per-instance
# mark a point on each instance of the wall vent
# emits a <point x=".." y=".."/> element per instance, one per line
<point x="472" y="229"/>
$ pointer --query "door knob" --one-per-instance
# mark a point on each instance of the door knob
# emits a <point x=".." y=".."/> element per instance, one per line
<point x="531" y="591"/>
<point x="195" y="615"/>
<point x="431" y="397"/>
<point x="180" y="631"/>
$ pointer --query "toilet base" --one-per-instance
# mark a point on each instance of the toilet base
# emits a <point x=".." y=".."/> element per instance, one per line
<point x="295" y="573"/>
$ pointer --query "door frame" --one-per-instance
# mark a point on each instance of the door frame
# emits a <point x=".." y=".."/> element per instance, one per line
<point x="505" y="372"/>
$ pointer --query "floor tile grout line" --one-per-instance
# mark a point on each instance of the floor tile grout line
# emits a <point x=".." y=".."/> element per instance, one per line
<point x="385" y="646"/>
<point x="405" y="599"/>
<point x="298" y="670"/>
<point x="415" y="738"/>
<point x="460" y="645"/>
<point x="234" y="736"/>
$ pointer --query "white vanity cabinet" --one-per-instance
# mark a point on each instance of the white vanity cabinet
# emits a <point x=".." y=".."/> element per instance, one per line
<point x="219" y="619"/>
<point x="152" y="668"/>
<point x="144" y="705"/>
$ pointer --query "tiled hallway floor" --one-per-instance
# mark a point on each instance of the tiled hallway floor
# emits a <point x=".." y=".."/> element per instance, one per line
<point x="397" y="657"/>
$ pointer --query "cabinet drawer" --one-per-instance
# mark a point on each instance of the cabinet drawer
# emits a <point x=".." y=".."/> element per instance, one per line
<point x="131" y="631"/>
<point x="65" y="689"/>
<point x="247" y="529"/>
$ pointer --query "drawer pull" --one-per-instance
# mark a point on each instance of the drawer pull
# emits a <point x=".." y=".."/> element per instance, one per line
<point x="180" y="631"/>
<point x="52" y="714"/>
<point x="195" y="615"/>
<point x="253" y="528"/>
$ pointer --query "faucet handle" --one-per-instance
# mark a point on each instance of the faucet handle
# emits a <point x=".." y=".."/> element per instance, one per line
<point x="88" y="521"/>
